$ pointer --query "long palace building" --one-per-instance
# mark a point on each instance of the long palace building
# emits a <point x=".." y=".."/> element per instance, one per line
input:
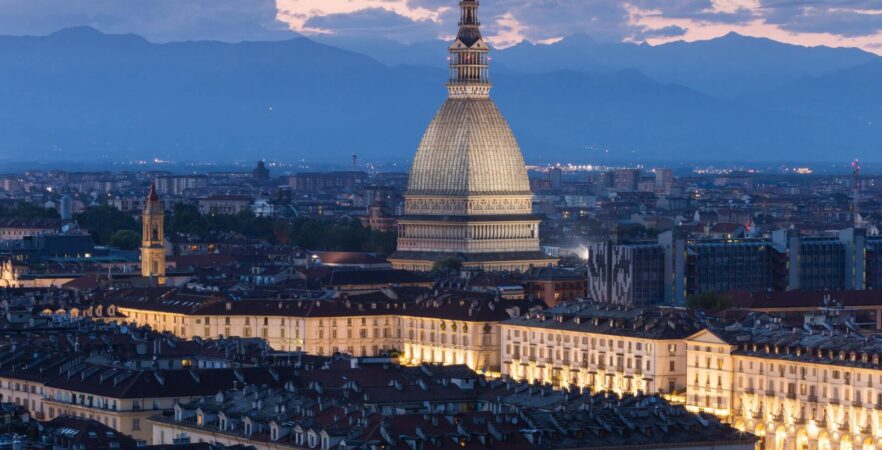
<point x="468" y="195"/>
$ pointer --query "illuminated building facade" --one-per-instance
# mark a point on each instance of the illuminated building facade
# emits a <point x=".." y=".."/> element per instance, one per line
<point x="601" y="348"/>
<point x="796" y="389"/>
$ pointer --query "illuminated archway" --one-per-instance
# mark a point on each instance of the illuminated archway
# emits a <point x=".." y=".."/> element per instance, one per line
<point x="845" y="442"/>
<point x="760" y="431"/>
<point x="780" y="438"/>
<point x="802" y="442"/>
<point x="824" y="441"/>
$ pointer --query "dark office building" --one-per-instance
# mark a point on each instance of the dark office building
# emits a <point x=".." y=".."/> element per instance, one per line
<point x="673" y="269"/>
<point x="628" y="274"/>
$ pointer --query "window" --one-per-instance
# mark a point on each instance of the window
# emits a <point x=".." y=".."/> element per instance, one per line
<point x="672" y="365"/>
<point x="136" y="424"/>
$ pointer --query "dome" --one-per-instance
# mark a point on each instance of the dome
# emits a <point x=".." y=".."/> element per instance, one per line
<point x="468" y="149"/>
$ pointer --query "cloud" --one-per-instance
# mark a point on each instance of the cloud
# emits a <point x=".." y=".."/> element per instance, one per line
<point x="505" y="22"/>
<point x="376" y="22"/>
<point x="669" y="31"/>
<point x="848" y="18"/>
<point x="157" y="20"/>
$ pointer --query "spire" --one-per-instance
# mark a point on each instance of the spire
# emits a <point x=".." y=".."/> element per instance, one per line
<point x="152" y="195"/>
<point x="469" y="56"/>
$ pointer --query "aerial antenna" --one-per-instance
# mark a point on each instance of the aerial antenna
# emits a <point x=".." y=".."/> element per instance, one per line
<point x="856" y="195"/>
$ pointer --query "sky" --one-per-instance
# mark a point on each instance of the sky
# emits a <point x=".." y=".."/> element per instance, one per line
<point x="853" y="23"/>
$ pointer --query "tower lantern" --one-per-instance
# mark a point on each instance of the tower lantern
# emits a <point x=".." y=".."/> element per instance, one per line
<point x="469" y="56"/>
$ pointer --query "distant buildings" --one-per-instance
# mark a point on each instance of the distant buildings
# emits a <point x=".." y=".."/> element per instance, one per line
<point x="16" y="229"/>
<point x="676" y="268"/>
<point x="178" y="185"/>
<point x="224" y="204"/>
<point x="307" y="182"/>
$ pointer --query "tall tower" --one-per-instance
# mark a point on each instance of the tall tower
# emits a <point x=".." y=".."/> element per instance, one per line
<point x="152" y="248"/>
<point x="468" y="195"/>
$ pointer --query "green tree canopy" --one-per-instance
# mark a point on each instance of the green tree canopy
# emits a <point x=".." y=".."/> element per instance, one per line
<point x="125" y="240"/>
<point x="103" y="221"/>
<point x="710" y="301"/>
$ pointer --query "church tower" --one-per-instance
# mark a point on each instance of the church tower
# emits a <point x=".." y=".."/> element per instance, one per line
<point x="152" y="248"/>
<point x="468" y="195"/>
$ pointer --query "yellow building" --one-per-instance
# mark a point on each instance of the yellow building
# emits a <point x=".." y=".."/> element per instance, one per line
<point x="449" y="327"/>
<point x="798" y="390"/>
<point x="590" y="345"/>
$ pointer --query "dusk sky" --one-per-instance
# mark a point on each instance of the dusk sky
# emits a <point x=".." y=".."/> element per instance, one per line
<point x="856" y="23"/>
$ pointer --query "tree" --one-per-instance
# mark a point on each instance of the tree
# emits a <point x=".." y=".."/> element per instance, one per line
<point x="125" y="240"/>
<point x="708" y="301"/>
<point x="103" y="221"/>
<point x="29" y="211"/>
<point x="447" y="266"/>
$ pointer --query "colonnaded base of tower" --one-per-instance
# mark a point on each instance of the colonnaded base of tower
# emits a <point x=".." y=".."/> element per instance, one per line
<point x="494" y="262"/>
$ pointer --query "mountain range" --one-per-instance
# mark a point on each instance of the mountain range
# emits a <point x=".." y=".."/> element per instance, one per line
<point x="80" y="94"/>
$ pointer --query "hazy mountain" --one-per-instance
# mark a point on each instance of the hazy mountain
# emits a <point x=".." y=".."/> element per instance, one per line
<point x="854" y="92"/>
<point x="82" y="94"/>
<point x="728" y="66"/>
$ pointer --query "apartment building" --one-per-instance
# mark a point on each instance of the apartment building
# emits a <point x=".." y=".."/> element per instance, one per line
<point x="602" y="347"/>
<point x="453" y="327"/>
<point x="50" y="386"/>
<point x="797" y="388"/>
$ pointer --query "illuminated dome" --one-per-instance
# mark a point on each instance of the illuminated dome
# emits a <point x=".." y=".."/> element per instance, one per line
<point x="468" y="149"/>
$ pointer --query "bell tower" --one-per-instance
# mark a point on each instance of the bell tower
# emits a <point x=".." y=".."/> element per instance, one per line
<point x="152" y="240"/>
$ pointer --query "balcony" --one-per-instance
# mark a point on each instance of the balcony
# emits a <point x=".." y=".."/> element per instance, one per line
<point x="749" y="391"/>
<point x="813" y="398"/>
<point x="791" y="395"/>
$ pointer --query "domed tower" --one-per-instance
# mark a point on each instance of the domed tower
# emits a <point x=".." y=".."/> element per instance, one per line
<point x="468" y="194"/>
<point x="152" y="240"/>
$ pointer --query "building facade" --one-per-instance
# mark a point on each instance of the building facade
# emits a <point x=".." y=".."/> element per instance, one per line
<point x="672" y="269"/>
<point x="796" y="389"/>
<point x="604" y="349"/>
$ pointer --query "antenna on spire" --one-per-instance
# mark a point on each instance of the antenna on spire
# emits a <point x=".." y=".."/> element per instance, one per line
<point x="856" y="196"/>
